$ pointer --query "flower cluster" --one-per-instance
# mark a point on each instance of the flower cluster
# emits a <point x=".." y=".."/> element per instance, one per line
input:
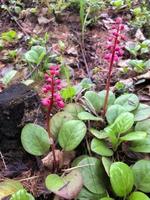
<point x="52" y="88"/>
<point x="114" y="49"/>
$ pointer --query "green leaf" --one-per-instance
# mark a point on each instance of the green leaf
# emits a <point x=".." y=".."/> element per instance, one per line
<point x="106" y="198"/>
<point x="137" y="65"/>
<point x="98" y="134"/>
<point x="137" y="135"/>
<point x="92" y="172"/>
<point x="22" y="195"/>
<point x="129" y="101"/>
<point x="73" y="109"/>
<point x="93" y="101"/>
<point x="121" y="178"/>
<point x="111" y="98"/>
<point x="143" y="126"/>
<point x="85" y="116"/>
<point x="35" y="139"/>
<point x="107" y="164"/>
<point x="113" y="112"/>
<point x="142" y="146"/>
<point x="71" y="134"/>
<point x="9" y="36"/>
<point x="8" y="77"/>
<point x="141" y="171"/>
<point x="142" y="113"/>
<point x="100" y="147"/>
<point x="85" y="194"/>
<point x="68" y="93"/>
<point x="35" y="55"/>
<point x="133" y="47"/>
<point x="67" y="187"/>
<point x="58" y="120"/>
<point x="9" y="187"/>
<point x="123" y="123"/>
<point x="138" y="196"/>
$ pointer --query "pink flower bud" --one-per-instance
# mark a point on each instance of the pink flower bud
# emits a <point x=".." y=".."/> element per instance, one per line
<point x="118" y="20"/>
<point x="58" y="97"/>
<point x="45" y="102"/>
<point x="122" y="27"/>
<point x="44" y="90"/>
<point x="60" y="104"/>
<point x="48" y="87"/>
<point x="57" y="81"/>
<point x="46" y="76"/>
<point x="107" y="56"/>
<point x="115" y="33"/>
<point x="116" y="58"/>
<point x="49" y="80"/>
<point x="59" y="87"/>
<point x="123" y="37"/>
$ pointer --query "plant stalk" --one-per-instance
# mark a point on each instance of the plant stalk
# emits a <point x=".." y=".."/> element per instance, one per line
<point x="48" y="124"/>
<point x="109" y="74"/>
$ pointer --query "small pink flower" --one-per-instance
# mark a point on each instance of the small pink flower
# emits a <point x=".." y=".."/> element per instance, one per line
<point x="44" y="90"/>
<point x="45" y="102"/>
<point x="60" y="104"/>
<point x="118" y="20"/>
<point x="59" y="87"/>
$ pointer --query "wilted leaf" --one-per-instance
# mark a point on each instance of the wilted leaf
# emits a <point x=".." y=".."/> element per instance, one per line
<point x="9" y="187"/>
<point x="67" y="187"/>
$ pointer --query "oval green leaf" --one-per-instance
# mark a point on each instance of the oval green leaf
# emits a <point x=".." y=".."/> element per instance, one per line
<point x="92" y="172"/>
<point x="57" y="121"/>
<point x="22" y="195"/>
<point x="137" y="135"/>
<point x="129" y="101"/>
<point x="98" y="134"/>
<point x="85" y="116"/>
<point x="106" y="163"/>
<point x="100" y="147"/>
<point x="141" y="171"/>
<point x="73" y="109"/>
<point x="113" y="112"/>
<point x="111" y="98"/>
<point x="71" y="134"/>
<point x="138" y="196"/>
<point x="35" y="139"/>
<point x="143" y="126"/>
<point x="121" y="178"/>
<point x="142" y="146"/>
<point x="142" y="113"/>
<point x="123" y="123"/>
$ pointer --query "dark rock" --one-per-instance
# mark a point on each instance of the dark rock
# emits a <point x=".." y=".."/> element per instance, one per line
<point x="19" y="105"/>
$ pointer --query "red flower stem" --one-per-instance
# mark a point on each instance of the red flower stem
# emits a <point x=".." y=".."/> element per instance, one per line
<point x="48" y="123"/>
<point x="110" y="72"/>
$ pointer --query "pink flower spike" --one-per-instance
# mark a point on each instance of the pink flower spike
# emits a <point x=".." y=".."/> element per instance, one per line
<point x="45" y="102"/>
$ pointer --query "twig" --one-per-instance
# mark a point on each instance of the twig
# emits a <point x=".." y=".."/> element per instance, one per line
<point x="13" y="18"/>
<point x="2" y="158"/>
<point x="77" y="167"/>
